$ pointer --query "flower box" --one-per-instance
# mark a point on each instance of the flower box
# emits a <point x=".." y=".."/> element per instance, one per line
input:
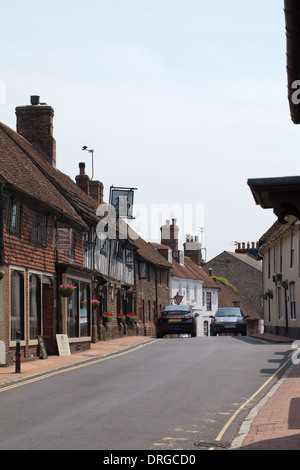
<point x="121" y="317"/>
<point x="107" y="317"/>
<point x="132" y="317"/>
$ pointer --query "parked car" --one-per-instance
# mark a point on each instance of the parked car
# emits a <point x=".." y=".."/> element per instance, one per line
<point x="176" y="319"/>
<point x="228" y="320"/>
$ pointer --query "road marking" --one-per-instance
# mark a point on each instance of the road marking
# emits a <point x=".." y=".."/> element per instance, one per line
<point x="78" y="366"/>
<point x="222" y="432"/>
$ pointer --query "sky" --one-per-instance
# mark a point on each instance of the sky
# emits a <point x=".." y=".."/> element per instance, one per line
<point x="183" y="99"/>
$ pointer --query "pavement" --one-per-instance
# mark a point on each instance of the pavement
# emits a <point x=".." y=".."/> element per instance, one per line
<point x="273" y="424"/>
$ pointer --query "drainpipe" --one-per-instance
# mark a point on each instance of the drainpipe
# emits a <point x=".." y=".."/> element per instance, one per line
<point x="286" y="313"/>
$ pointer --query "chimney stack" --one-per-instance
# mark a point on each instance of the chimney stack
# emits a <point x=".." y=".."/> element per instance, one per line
<point x="35" y="124"/>
<point x="92" y="188"/>
<point x="169" y="234"/>
<point x="192" y="249"/>
<point x="83" y="180"/>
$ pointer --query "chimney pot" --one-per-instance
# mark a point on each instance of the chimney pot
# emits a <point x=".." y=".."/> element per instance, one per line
<point x="82" y="168"/>
<point x="34" y="100"/>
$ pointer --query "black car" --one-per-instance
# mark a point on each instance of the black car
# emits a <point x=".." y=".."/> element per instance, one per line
<point x="176" y="319"/>
<point x="228" y="320"/>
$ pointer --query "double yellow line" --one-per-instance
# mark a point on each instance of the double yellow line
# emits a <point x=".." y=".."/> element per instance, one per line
<point x="78" y="366"/>
<point x="229" y="422"/>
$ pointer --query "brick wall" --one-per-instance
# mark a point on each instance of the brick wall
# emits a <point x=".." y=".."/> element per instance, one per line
<point x="247" y="279"/>
<point x="24" y="253"/>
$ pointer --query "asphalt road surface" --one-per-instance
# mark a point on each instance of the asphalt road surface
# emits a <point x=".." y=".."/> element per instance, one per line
<point x="174" y="393"/>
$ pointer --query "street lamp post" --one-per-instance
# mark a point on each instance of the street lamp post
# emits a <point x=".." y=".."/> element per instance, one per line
<point x="92" y="152"/>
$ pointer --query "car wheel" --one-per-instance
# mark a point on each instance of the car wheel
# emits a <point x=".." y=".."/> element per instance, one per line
<point x="159" y="335"/>
<point x="194" y="334"/>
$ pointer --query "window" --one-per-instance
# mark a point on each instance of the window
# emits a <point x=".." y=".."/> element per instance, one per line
<point x="129" y="258"/>
<point x="280" y="267"/>
<point x="40" y="229"/>
<point x="84" y="302"/>
<point x="195" y="294"/>
<point x="269" y="263"/>
<point x="35" y="306"/>
<point x="16" y="304"/>
<point x="208" y="301"/>
<point x="293" y="300"/>
<point x="143" y="271"/>
<point x="78" y="310"/>
<point x="14" y="215"/>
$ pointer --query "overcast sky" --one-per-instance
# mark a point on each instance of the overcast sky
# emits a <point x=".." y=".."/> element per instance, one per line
<point x="183" y="99"/>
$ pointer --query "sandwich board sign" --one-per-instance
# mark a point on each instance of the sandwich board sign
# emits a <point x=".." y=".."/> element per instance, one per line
<point x="63" y="345"/>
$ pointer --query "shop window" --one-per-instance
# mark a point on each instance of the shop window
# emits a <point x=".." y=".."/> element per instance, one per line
<point x="35" y="306"/>
<point x="16" y="304"/>
<point x="84" y="314"/>
<point x="78" y="310"/>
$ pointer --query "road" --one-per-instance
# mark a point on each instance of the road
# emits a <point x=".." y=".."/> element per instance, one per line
<point x="174" y="393"/>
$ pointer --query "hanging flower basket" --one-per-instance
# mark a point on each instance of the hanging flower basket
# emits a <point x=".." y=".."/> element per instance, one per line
<point x="121" y="317"/>
<point x="268" y="293"/>
<point x="284" y="284"/>
<point x="66" y="290"/>
<point x="95" y="303"/>
<point x="107" y="317"/>
<point x="132" y="317"/>
<point x="1" y="275"/>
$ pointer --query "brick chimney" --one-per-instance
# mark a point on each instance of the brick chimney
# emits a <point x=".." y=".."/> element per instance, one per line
<point x="169" y="234"/>
<point x="96" y="191"/>
<point x="192" y="249"/>
<point x="92" y="188"/>
<point x="35" y="124"/>
<point x="83" y="180"/>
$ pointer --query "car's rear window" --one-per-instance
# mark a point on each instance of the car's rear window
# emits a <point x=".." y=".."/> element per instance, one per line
<point x="176" y="312"/>
<point x="228" y="312"/>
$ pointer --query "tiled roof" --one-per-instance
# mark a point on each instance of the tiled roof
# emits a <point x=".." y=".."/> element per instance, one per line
<point x="145" y="250"/>
<point x="18" y="171"/>
<point x="84" y="205"/>
<point x="190" y="270"/>
<point x="254" y="263"/>
<point x="276" y="230"/>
